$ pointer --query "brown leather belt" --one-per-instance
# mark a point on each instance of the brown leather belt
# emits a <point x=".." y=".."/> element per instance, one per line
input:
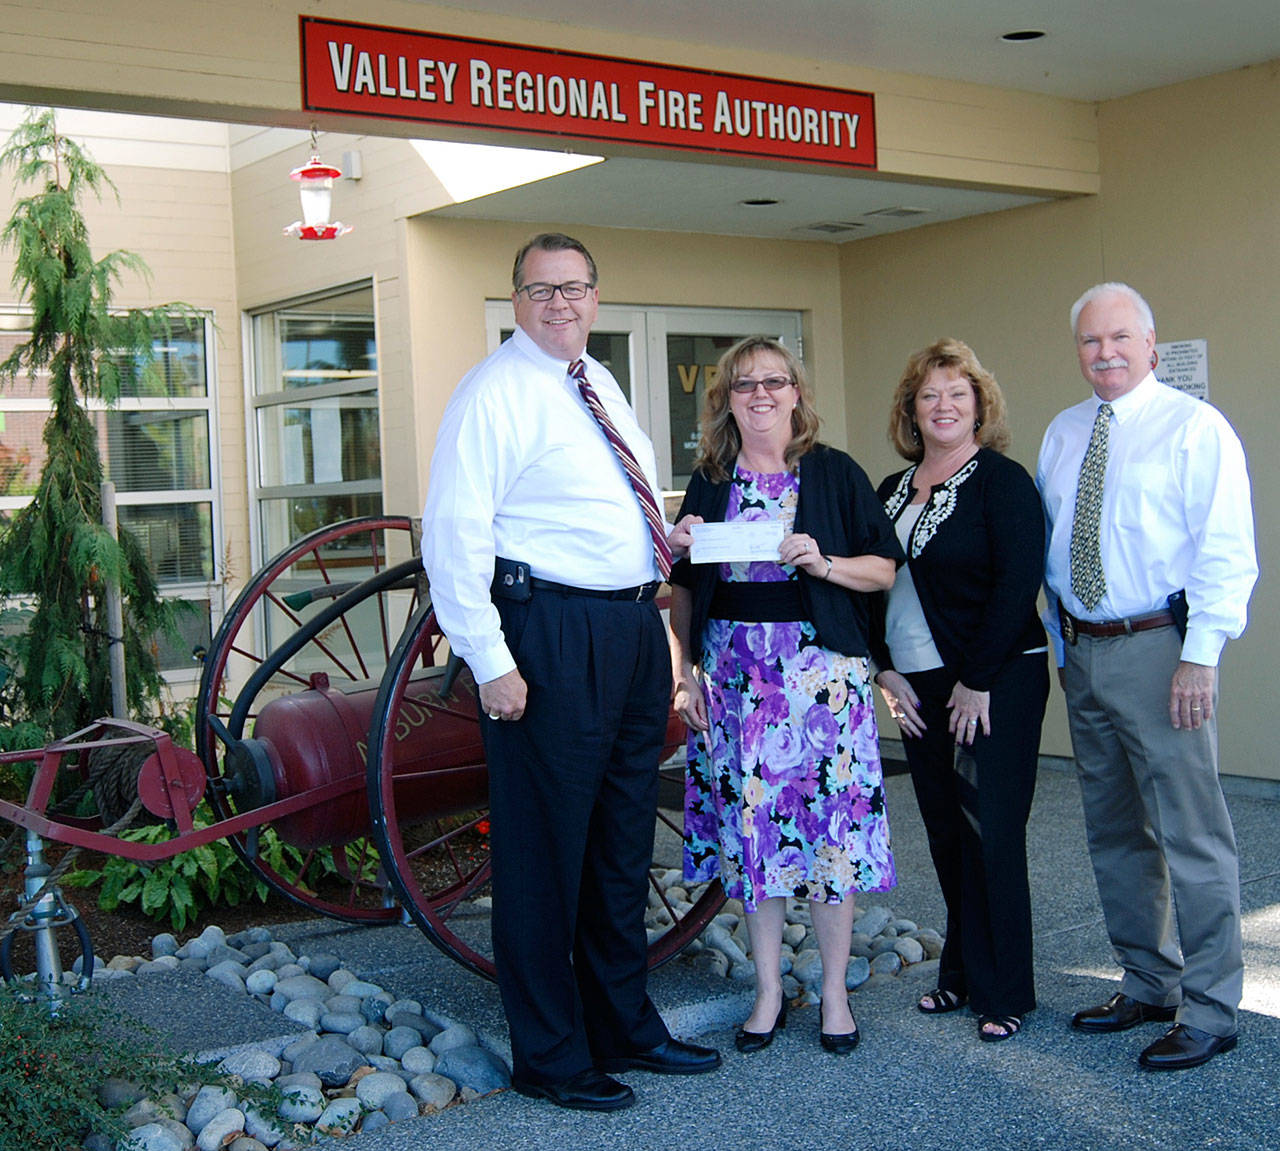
<point x="1105" y="629"/>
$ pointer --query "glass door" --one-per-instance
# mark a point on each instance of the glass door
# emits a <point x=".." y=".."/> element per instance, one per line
<point x="663" y="359"/>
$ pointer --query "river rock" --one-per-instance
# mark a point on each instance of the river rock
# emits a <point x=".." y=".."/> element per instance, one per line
<point x="152" y="1137"/>
<point x="330" y="1057"/>
<point x="458" y="1035"/>
<point x="302" y="1104"/>
<point x="217" y="1131"/>
<point x="417" y="1060"/>
<point x="300" y="987"/>
<point x="886" y="963"/>
<point x="373" y="1090"/>
<point x="340" y="1117"/>
<point x="305" y="1011"/>
<point x="873" y="920"/>
<point x="260" y="982"/>
<point x="474" y="1067"/>
<point x="400" y="1106"/>
<point x="399" y="1040"/>
<point x="251" y="1063"/>
<point x="910" y="949"/>
<point x="433" y="1091"/>
<point x="209" y="1101"/>
<point x="323" y="964"/>
<point x="366" y="1038"/>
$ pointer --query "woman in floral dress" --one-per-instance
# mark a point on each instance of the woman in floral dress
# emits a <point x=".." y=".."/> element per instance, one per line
<point x="784" y="796"/>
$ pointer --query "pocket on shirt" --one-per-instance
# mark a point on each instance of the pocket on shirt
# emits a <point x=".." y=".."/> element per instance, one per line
<point x="1141" y="497"/>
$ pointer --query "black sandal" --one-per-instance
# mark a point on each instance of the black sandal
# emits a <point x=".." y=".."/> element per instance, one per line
<point x="1011" y="1025"/>
<point x="940" y="1002"/>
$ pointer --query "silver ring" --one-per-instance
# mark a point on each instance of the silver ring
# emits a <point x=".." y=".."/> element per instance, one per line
<point x="494" y="715"/>
<point x="1196" y="707"/>
<point x="973" y="723"/>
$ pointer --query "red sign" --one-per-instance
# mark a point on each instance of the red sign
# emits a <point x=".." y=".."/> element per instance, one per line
<point x="394" y="73"/>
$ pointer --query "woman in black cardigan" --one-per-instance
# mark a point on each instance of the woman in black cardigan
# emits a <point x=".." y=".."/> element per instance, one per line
<point x="962" y="664"/>
<point x="783" y="795"/>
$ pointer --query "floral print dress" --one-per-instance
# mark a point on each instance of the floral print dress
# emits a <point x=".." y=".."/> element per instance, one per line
<point x="784" y="795"/>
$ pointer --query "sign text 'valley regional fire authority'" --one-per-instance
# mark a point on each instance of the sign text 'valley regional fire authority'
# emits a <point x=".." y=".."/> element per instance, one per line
<point x="405" y="75"/>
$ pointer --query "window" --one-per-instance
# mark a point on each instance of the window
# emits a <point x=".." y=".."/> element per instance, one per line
<point x="315" y="416"/>
<point x="157" y="447"/>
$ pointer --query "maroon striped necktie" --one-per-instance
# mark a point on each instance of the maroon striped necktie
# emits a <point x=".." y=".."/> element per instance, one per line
<point x="644" y="493"/>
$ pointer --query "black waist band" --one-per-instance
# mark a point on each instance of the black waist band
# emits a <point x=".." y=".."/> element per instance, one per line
<point x="745" y="602"/>
<point x="642" y="594"/>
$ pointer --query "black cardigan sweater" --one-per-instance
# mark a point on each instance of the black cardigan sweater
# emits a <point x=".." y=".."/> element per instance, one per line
<point x="839" y="508"/>
<point x="977" y="559"/>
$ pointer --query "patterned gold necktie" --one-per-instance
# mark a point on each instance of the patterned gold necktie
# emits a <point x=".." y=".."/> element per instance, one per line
<point x="1088" y="580"/>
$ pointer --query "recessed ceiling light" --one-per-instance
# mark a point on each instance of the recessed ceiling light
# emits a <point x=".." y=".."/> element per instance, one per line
<point x="762" y="202"/>
<point x="1019" y="37"/>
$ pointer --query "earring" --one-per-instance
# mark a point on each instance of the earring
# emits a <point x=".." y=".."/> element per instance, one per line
<point x="915" y="431"/>
<point x="977" y="426"/>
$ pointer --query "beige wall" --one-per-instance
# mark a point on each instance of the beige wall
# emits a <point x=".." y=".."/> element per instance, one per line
<point x="1187" y="215"/>
<point x="454" y="263"/>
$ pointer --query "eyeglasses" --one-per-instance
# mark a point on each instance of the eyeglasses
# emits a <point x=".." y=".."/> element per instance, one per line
<point x="742" y="385"/>
<point x="541" y="293"/>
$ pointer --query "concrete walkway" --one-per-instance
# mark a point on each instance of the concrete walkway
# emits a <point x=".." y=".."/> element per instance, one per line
<point x="915" y="1082"/>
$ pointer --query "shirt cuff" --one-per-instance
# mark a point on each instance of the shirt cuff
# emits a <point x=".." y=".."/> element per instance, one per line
<point x="1204" y="647"/>
<point x="491" y="663"/>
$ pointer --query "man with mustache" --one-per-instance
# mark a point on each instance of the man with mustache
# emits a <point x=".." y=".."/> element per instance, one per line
<point x="1149" y="569"/>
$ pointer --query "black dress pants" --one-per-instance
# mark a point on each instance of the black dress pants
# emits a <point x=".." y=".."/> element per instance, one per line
<point x="975" y="808"/>
<point x="573" y="793"/>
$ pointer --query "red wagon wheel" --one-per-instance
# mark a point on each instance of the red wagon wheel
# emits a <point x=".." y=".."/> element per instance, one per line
<point x="324" y="614"/>
<point x="429" y="806"/>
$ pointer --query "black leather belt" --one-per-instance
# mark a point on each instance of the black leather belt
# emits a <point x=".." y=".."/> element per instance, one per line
<point x="1107" y="628"/>
<point x="642" y="594"/>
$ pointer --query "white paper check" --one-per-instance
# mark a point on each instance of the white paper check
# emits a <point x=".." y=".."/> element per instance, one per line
<point x="737" y="542"/>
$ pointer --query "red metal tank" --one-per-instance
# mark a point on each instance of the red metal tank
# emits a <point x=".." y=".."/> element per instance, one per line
<point x="320" y="735"/>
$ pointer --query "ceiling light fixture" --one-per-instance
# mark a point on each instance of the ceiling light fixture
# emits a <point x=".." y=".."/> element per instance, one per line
<point x="762" y="202"/>
<point x="1021" y="37"/>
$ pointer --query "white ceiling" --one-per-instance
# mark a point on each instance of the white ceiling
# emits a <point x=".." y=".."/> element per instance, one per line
<point x="1091" y="51"/>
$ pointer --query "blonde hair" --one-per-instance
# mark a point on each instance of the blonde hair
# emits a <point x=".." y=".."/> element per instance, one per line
<point x="992" y="428"/>
<point x="720" y="440"/>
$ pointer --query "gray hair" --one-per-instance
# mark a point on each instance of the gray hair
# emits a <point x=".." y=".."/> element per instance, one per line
<point x="1114" y="288"/>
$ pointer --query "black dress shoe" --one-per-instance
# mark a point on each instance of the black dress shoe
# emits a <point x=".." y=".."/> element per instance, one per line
<point x="1119" y="1013"/>
<point x="838" y="1044"/>
<point x="1181" y="1047"/>
<point x="670" y="1058"/>
<point x="587" y="1091"/>
<point x="749" y="1041"/>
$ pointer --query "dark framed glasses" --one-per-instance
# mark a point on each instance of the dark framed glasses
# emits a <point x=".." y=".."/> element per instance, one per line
<point x="541" y="293"/>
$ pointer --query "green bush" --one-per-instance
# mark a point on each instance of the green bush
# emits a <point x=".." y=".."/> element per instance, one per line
<point x="182" y="888"/>
<point x="52" y="1066"/>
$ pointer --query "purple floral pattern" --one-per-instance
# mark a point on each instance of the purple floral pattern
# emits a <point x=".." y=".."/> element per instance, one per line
<point x="784" y="795"/>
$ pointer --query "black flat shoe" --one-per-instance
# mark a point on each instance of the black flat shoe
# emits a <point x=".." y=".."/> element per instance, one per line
<point x="670" y="1058"/>
<point x="1181" y="1047"/>
<point x="587" y="1091"/>
<point x="838" y="1044"/>
<point x="1119" y="1013"/>
<point x="749" y="1041"/>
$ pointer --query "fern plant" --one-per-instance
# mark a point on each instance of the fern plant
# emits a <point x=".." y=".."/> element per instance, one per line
<point x="183" y="888"/>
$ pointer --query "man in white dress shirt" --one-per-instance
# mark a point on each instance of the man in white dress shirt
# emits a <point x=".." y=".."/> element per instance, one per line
<point x="543" y="570"/>
<point x="1150" y="566"/>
